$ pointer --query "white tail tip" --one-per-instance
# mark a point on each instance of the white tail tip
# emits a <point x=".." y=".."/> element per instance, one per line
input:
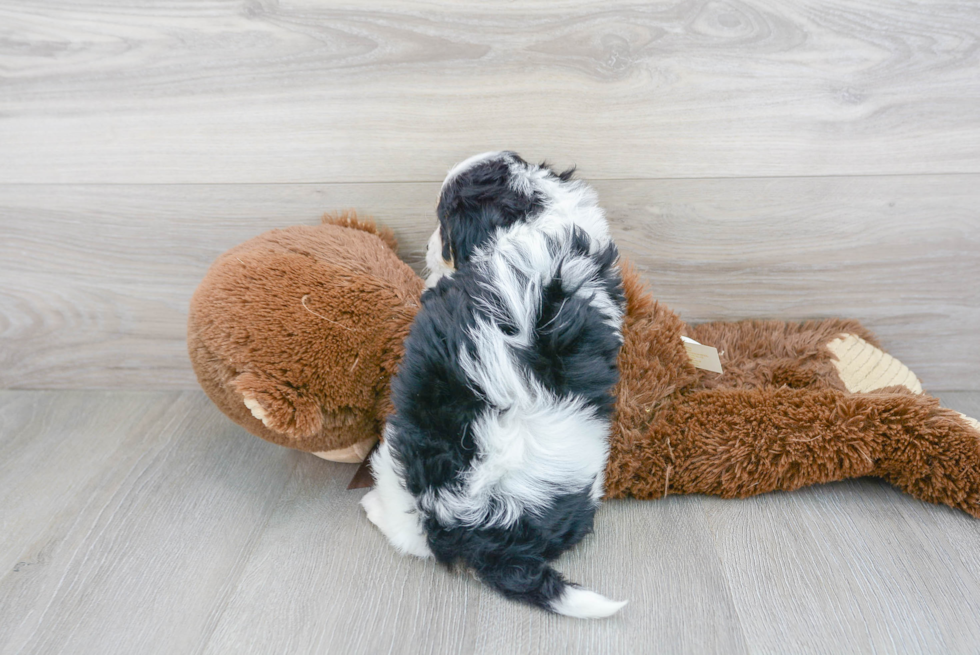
<point x="584" y="604"/>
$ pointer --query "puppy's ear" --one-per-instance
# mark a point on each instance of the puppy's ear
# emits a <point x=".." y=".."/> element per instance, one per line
<point x="564" y="176"/>
<point x="448" y="254"/>
<point x="567" y="174"/>
<point x="478" y="201"/>
<point x="464" y="232"/>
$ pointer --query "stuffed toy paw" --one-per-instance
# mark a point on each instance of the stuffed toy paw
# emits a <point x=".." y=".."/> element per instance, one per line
<point x="295" y="335"/>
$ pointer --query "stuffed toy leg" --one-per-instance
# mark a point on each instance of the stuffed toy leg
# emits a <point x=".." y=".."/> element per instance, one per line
<point x="295" y="335"/>
<point x="797" y="404"/>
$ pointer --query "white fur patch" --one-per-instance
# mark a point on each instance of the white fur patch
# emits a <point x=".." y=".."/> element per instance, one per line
<point x="540" y="448"/>
<point x="391" y="507"/>
<point x="584" y="604"/>
<point x="520" y="178"/>
<point x="470" y="162"/>
<point x="569" y="203"/>
<point x="435" y="265"/>
<point x="533" y="446"/>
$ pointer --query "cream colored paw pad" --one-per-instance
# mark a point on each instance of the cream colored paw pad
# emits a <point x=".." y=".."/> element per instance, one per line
<point x="351" y="455"/>
<point x="257" y="410"/>
<point x="862" y="367"/>
<point x="972" y="422"/>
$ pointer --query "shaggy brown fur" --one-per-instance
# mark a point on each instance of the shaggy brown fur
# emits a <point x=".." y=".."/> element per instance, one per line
<point x="778" y="418"/>
<point x="309" y="322"/>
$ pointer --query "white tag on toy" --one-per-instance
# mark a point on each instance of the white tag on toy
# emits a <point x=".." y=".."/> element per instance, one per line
<point x="703" y="357"/>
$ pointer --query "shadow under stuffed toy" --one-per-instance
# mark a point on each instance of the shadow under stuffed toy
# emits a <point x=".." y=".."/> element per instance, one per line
<point x="295" y="335"/>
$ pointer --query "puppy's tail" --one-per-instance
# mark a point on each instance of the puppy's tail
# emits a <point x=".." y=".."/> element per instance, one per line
<point x="539" y="584"/>
<point x="584" y="604"/>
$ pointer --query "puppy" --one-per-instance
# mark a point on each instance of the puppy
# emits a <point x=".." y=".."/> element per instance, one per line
<point x="494" y="455"/>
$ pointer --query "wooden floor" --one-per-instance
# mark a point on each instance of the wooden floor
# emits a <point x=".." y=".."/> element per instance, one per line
<point x="144" y="522"/>
<point x="757" y="159"/>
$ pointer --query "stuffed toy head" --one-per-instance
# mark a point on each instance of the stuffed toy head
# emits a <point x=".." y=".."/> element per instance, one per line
<point x="295" y="334"/>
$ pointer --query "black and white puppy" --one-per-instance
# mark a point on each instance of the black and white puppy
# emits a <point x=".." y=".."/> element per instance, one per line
<point x="494" y="455"/>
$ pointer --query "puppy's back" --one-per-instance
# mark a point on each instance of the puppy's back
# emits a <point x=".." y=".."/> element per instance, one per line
<point x="510" y="475"/>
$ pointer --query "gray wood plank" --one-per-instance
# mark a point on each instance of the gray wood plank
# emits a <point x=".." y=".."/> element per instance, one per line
<point x="95" y="280"/>
<point x="658" y="555"/>
<point x="898" y="253"/>
<point x="146" y="522"/>
<point x="323" y="578"/>
<point x="962" y="536"/>
<point x="853" y="566"/>
<point x="51" y="462"/>
<point x="345" y="91"/>
<point x="129" y="517"/>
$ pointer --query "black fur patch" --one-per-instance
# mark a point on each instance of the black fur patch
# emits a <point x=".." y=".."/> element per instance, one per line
<point x="573" y="353"/>
<point x="515" y="560"/>
<point x="479" y="201"/>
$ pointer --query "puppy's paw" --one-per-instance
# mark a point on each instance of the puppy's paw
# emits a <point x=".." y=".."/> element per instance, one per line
<point x="401" y="529"/>
<point x="374" y="508"/>
<point x="412" y="542"/>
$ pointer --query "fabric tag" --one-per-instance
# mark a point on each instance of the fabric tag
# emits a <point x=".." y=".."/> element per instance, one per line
<point x="363" y="477"/>
<point x="703" y="357"/>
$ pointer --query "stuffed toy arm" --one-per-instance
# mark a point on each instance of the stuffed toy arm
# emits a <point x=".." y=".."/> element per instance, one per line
<point x="796" y="404"/>
<point x="735" y="443"/>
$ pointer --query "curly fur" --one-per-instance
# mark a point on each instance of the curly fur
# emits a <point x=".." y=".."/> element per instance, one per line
<point x="496" y="450"/>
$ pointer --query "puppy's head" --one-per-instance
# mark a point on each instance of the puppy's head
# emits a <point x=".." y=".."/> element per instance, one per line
<point x="481" y="195"/>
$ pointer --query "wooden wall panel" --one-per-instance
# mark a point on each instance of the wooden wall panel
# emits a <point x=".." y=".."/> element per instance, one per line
<point x="310" y="91"/>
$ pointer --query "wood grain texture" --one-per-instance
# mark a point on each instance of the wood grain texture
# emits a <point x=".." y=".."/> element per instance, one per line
<point x="901" y="254"/>
<point x="658" y="556"/>
<point x="95" y="280"/>
<point x="147" y="523"/>
<point x="844" y="567"/>
<point x="307" y="91"/>
<point x="126" y="519"/>
<point x="372" y="601"/>
<point x="963" y="537"/>
<point x="141" y="140"/>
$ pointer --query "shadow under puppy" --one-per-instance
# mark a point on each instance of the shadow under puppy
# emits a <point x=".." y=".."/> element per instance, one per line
<point x="494" y="454"/>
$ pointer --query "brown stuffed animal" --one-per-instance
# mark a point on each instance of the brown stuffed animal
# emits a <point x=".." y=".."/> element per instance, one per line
<point x="296" y="333"/>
